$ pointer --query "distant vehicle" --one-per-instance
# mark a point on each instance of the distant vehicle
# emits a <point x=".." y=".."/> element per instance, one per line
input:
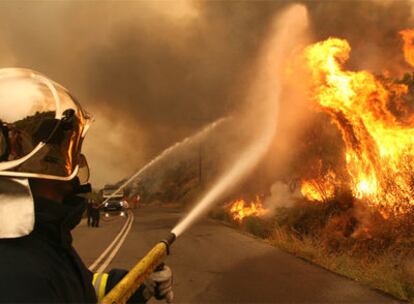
<point x="115" y="202"/>
<point x="112" y="192"/>
<point x="114" y="205"/>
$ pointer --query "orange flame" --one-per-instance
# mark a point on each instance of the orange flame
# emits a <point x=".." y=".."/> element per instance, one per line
<point x="379" y="145"/>
<point x="239" y="209"/>
<point x="319" y="190"/>
<point x="408" y="48"/>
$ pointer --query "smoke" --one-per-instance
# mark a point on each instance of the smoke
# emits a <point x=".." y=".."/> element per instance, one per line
<point x="280" y="197"/>
<point x="371" y="27"/>
<point x="264" y="94"/>
<point x="152" y="72"/>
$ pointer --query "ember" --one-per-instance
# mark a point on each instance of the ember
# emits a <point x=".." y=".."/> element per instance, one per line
<point x="240" y="209"/>
<point x="379" y="143"/>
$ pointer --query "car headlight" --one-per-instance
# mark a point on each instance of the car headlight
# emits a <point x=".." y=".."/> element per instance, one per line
<point x="106" y="204"/>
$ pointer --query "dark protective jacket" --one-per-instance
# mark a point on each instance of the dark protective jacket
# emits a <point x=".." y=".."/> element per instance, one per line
<point x="43" y="266"/>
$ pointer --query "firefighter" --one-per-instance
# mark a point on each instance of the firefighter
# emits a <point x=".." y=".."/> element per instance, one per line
<point x="89" y="213"/>
<point x="4" y="145"/>
<point x="96" y="215"/>
<point x="39" y="205"/>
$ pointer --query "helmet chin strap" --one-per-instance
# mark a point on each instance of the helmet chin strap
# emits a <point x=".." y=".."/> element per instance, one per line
<point x="79" y="188"/>
<point x="16" y="208"/>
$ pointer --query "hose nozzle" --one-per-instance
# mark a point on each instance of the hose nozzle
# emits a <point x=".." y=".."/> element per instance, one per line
<point x="169" y="240"/>
<point x="136" y="276"/>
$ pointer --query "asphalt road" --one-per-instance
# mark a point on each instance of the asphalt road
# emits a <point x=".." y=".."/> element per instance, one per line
<point x="214" y="263"/>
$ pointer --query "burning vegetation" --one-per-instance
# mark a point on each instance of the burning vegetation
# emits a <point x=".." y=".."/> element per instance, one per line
<point x="376" y="123"/>
<point x="352" y="199"/>
<point x="359" y="222"/>
<point x="319" y="189"/>
<point x="240" y="209"/>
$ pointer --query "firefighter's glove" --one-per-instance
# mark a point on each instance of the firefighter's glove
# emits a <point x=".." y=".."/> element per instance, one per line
<point x="159" y="285"/>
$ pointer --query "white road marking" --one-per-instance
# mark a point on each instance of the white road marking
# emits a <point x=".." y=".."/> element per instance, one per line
<point x="116" y="249"/>
<point x="109" y="248"/>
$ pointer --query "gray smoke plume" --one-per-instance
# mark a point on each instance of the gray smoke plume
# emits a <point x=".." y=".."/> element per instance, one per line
<point x="153" y="72"/>
<point x="281" y="196"/>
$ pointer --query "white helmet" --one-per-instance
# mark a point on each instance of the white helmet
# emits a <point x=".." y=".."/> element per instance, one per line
<point x="42" y="127"/>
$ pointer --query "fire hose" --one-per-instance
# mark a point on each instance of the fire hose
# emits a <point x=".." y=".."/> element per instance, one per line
<point x="136" y="276"/>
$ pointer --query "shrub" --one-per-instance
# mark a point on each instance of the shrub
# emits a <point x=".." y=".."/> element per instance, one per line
<point x="219" y="214"/>
<point x="258" y="226"/>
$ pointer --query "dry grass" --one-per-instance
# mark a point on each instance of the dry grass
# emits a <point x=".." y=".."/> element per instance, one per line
<point x="380" y="273"/>
<point x="348" y="239"/>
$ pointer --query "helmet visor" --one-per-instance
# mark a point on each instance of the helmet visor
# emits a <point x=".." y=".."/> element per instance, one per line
<point x="41" y="126"/>
<point x="83" y="172"/>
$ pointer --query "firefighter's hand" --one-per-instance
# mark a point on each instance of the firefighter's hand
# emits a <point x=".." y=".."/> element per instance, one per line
<point x="159" y="285"/>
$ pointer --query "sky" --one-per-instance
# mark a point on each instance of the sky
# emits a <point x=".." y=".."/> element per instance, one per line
<point x="154" y="72"/>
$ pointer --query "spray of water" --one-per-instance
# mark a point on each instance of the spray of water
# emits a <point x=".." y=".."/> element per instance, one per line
<point x="264" y="95"/>
<point x="166" y="153"/>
